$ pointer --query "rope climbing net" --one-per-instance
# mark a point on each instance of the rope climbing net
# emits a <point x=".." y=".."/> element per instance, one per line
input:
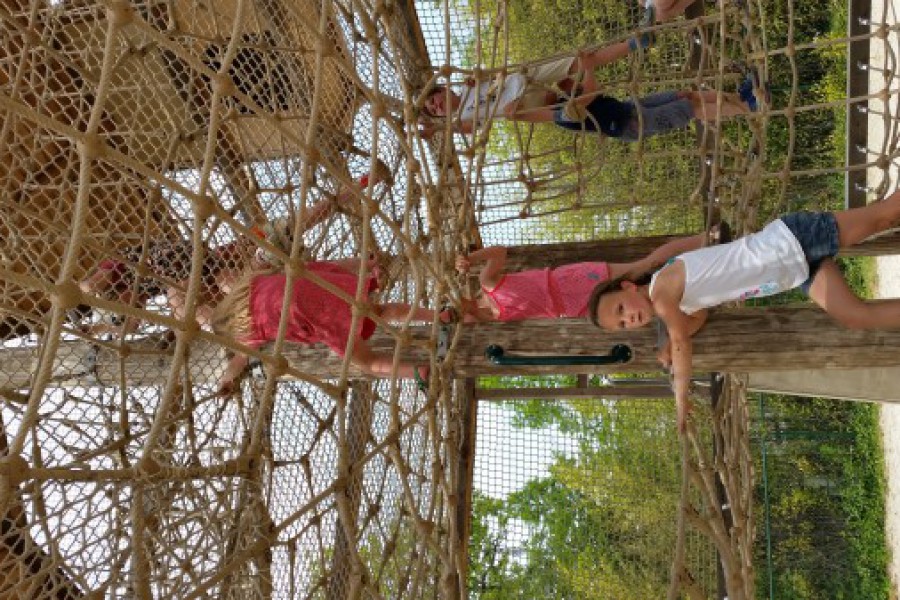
<point x="154" y="152"/>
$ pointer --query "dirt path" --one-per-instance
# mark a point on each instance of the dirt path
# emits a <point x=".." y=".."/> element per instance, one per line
<point x="889" y="286"/>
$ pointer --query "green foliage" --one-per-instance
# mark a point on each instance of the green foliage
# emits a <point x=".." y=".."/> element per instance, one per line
<point x="824" y="477"/>
<point x="601" y="524"/>
<point x="861" y="272"/>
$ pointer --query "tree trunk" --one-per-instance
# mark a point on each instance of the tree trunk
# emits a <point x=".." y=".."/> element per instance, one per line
<point x="343" y="580"/>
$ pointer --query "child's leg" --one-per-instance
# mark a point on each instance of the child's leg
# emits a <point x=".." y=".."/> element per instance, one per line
<point x="830" y="291"/>
<point x="177" y="300"/>
<point x="705" y="105"/>
<point x="380" y="365"/>
<point x="669" y="9"/>
<point x="395" y="312"/>
<point x="588" y="61"/>
<point x="659" y="99"/>
<point x="666" y="111"/>
<point x="858" y="224"/>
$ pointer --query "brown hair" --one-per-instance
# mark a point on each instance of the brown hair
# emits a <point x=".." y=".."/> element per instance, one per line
<point x="611" y="285"/>
<point x="232" y="315"/>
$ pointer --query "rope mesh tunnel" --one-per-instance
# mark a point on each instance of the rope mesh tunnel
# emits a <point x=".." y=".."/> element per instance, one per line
<point x="161" y="149"/>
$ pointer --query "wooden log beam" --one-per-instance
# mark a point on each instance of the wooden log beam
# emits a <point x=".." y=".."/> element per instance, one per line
<point x="739" y="340"/>
<point x="883" y="245"/>
<point x="536" y="256"/>
<point x="343" y="577"/>
<point x="587" y="392"/>
<point x="455" y="574"/>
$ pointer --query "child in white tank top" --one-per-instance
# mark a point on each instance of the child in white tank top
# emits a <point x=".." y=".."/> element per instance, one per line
<point x="796" y="250"/>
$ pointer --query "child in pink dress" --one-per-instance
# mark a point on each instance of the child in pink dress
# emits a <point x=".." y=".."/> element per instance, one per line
<point x="252" y="311"/>
<point x="168" y="263"/>
<point x="551" y="293"/>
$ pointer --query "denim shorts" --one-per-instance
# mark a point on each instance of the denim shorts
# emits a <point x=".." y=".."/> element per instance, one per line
<point x="817" y="233"/>
<point x="660" y="112"/>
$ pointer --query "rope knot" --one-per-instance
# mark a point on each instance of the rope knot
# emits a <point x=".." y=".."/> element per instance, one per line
<point x="15" y="469"/>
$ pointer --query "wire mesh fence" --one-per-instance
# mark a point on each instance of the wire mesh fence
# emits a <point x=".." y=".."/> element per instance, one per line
<point x="579" y="499"/>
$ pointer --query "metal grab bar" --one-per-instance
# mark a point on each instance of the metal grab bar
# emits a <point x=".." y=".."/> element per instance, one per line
<point x="620" y="353"/>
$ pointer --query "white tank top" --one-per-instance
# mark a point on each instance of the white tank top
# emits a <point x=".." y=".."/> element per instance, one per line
<point x="761" y="264"/>
<point x="489" y="98"/>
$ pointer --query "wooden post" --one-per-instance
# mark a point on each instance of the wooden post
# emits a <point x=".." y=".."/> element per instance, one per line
<point x="740" y="340"/>
<point x="461" y="510"/>
<point x="580" y="392"/>
<point x="359" y="428"/>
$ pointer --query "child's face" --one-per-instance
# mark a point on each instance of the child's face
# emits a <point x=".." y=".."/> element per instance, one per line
<point x="436" y="103"/>
<point x="627" y="308"/>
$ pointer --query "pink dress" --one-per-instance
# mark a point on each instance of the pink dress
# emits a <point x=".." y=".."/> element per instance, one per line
<point x="316" y="315"/>
<point x="547" y="293"/>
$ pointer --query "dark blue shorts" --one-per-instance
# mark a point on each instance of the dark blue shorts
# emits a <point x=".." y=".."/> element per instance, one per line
<point x="817" y="233"/>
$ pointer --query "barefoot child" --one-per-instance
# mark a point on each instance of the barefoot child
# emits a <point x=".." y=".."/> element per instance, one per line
<point x="551" y="293"/>
<point x="169" y="263"/>
<point x="796" y="250"/>
<point x="251" y="314"/>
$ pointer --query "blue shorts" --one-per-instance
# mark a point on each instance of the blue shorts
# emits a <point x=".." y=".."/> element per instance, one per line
<point x="659" y="113"/>
<point x="817" y="233"/>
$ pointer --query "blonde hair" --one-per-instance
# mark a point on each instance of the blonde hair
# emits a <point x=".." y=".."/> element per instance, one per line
<point x="232" y="315"/>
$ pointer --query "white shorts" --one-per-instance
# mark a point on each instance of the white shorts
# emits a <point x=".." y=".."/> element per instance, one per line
<point x="540" y="77"/>
<point x="548" y="73"/>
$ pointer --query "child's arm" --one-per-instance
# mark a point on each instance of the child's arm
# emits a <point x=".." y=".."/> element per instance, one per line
<point x="494" y="259"/>
<point x="427" y="130"/>
<point x="682" y="361"/>
<point x="681" y="330"/>
<point x="613" y="52"/>
<point x="666" y="298"/>
<point x="657" y="258"/>
<point x="233" y="370"/>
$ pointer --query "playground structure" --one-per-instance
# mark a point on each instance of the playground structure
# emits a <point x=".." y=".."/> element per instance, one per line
<point x="125" y="124"/>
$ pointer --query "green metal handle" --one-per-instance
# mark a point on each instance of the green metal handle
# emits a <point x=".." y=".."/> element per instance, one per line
<point x="620" y="353"/>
